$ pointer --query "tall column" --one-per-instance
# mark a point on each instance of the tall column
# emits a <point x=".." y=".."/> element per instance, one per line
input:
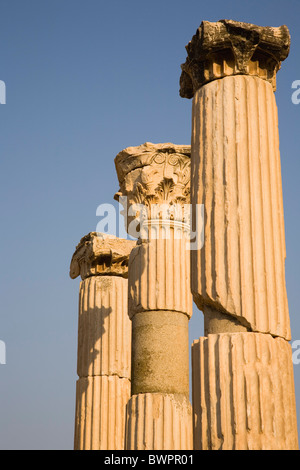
<point x="156" y="177"/>
<point x="104" y="342"/>
<point x="238" y="277"/>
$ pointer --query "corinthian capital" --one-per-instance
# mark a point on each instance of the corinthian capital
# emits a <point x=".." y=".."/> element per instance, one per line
<point x="230" y="47"/>
<point x="154" y="175"/>
<point x="101" y="254"/>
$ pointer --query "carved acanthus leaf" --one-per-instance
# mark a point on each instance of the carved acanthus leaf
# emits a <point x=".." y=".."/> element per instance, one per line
<point x="154" y="174"/>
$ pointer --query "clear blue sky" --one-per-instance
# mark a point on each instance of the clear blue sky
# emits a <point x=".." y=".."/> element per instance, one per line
<point x="86" y="79"/>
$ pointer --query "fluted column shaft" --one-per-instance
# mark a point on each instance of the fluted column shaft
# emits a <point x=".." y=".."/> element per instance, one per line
<point x="243" y="393"/>
<point x="158" y="421"/>
<point x="104" y="343"/>
<point x="236" y="176"/>
<point x="103" y="364"/>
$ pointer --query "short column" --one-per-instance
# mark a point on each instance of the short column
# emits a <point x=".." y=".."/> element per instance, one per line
<point x="104" y="342"/>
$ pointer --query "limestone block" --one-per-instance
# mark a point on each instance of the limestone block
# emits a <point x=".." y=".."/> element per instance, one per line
<point x="104" y="328"/>
<point x="158" y="422"/>
<point x="160" y="353"/>
<point x="159" y="275"/>
<point x="100" y="413"/>
<point x="243" y="393"/>
<point x="236" y="175"/>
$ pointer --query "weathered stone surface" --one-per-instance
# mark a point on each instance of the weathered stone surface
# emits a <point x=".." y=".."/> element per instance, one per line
<point x="160" y="353"/>
<point x="101" y="413"/>
<point x="104" y="329"/>
<point x="236" y="175"/>
<point x="231" y="48"/>
<point x="154" y="174"/>
<point x="164" y="160"/>
<point x="243" y="390"/>
<point x="157" y="421"/>
<point x="157" y="177"/>
<point x="243" y="393"/>
<point x="159" y="275"/>
<point x="220" y="322"/>
<point x="104" y="342"/>
<point x="101" y="254"/>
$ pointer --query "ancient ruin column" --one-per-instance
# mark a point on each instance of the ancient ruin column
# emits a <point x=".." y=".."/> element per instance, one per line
<point x="238" y="277"/>
<point x="156" y="177"/>
<point x="104" y="342"/>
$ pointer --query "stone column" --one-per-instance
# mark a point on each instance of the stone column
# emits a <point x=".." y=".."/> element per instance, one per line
<point x="160" y="302"/>
<point x="243" y="392"/>
<point x="238" y="277"/>
<point x="104" y="342"/>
